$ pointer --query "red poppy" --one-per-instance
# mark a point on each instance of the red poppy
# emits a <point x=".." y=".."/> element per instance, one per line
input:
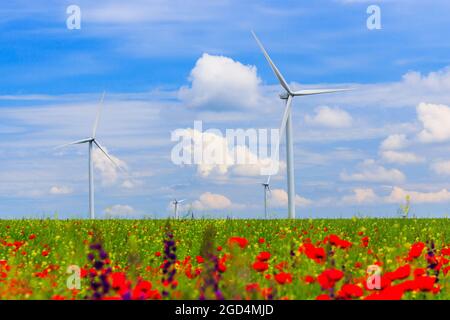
<point x="200" y="259"/>
<point x="399" y="274"/>
<point x="365" y="241"/>
<point x="415" y="251"/>
<point x="260" y="266"/>
<point x="45" y="253"/>
<point x="283" y="277"/>
<point x="261" y="240"/>
<point x="252" y="287"/>
<point x="323" y="297"/>
<point x="32" y="236"/>
<point x="241" y="242"/>
<point x="309" y="279"/>
<point x="263" y="256"/>
<point x="328" y="278"/>
<point x="350" y="291"/>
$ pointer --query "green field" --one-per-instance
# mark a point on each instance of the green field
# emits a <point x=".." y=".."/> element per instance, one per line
<point x="215" y="259"/>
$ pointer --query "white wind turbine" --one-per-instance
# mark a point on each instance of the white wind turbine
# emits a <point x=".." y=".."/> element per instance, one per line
<point x="266" y="191"/>
<point x="175" y="203"/>
<point x="286" y="124"/>
<point x="93" y="140"/>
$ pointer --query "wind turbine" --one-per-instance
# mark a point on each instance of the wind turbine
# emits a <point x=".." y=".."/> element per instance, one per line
<point x="91" y="141"/>
<point x="266" y="190"/>
<point x="286" y="124"/>
<point x="175" y="203"/>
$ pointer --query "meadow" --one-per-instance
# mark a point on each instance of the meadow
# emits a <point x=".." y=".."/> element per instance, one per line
<point x="225" y="259"/>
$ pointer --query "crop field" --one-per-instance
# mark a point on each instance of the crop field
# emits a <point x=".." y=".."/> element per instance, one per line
<point x="225" y="259"/>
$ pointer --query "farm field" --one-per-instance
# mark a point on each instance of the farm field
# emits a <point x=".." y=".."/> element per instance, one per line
<point x="225" y="259"/>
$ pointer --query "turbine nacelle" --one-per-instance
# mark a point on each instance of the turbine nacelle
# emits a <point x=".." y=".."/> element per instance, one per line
<point x="284" y="95"/>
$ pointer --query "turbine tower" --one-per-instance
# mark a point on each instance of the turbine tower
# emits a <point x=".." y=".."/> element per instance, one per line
<point x="93" y="141"/>
<point x="266" y="191"/>
<point x="175" y="203"/>
<point x="286" y="124"/>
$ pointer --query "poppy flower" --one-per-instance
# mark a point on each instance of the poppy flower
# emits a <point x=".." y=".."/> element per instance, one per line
<point x="283" y="277"/>
<point x="323" y="297"/>
<point x="415" y="251"/>
<point x="365" y="241"/>
<point x="400" y="273"/>
<point x="260" y="266"/>
<point x="328" y="278"/>
<point x="45" y="253"/>
<point x="32" y="236"/>
<point x="200" y="259"/>
<point x="263" y="256"/>
<point x="241" y="242"/>
<point x="261" y="240"/>
<point x="350" y="291"/>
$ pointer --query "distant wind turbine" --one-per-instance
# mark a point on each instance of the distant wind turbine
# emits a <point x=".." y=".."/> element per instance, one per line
<point x="266" y="191"/>
<point x="175" y="203"/>
<point x="286" y="124"/>
<point x="93" y="140"/>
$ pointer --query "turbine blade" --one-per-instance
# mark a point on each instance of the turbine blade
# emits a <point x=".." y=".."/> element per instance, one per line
<point x="108" y="156"/>
<point x="317" y="91"/>
<point x="272" y="65"/>
<point x="94" y="131"/>
<point x="182" y="201"/>
<point x="268" y="180"/>
<point x="75" y="142"/>
<point x="287" y="112"/>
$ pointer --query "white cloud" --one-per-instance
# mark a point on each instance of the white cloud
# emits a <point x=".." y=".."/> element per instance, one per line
<point x="119" y="210"/>
<point x="441" y="167"/>
<point x="401" y="157"/>
<point x="212" y="201"/>
<point x="60" y="190"/>
<point x="330" y="117"/>
<point x="219" y="158"/>
<point x="395" y="142"/>
<point x="399" y="195"/>
<point x="370" y="171"/>
<point x="436" y="122"/>
<point x="219" y="82"/>
<point x="109" y="173"/>
<point x="279" y="198"/>
<point x="360" y="196"/>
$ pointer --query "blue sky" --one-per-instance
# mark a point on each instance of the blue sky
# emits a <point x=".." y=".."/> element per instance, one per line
<point x="356" y="153"/>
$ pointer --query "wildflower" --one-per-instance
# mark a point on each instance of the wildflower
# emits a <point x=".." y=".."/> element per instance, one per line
<point x="241" y="242"/>
<point x="263" y="256"/>
<point x="283" y="278"/>
<point x="260" y="266"/>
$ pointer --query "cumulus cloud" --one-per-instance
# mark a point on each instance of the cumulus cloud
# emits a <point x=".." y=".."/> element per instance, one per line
<point x="399" y="195"/>
<point x="220" y="157"/>
<point x="360" y="196"/>
<point x="212" y="201"/>
<point x="395" y="142"/>
<point x="435" y="119"/>
<point x="370" y="171"/>
<point x="441" y="167"/>
<point x="109" y="173"/>
<point x="279" y="198"/>
<point x="220" y="82"/>
<point x="401" y="157"/>
<point x="60" y="190"/>
<point x="330" y="117"/>
<point x="119" y="210"/>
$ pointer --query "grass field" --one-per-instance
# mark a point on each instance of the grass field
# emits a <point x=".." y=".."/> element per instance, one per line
<point x="230" y="259"/>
